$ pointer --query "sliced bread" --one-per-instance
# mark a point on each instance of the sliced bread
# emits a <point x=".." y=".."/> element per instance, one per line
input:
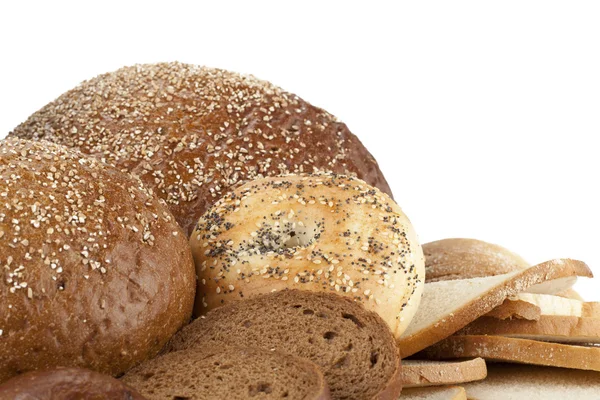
<point x="458" y="258"/>
<point x="419" y="373"/>
<point x="228" y="372"/>
<point x="353" y="346"/>
<point x="524" y="351"/>
<point x="531" y="306"/>
<point x="518" y="382"/>
<point x="448" y="306"/>
<point x="435" y="393"/>
<point x="549" y="328"/>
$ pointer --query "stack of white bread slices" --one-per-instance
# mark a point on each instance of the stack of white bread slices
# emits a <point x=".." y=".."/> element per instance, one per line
<point x="482" y="301"/>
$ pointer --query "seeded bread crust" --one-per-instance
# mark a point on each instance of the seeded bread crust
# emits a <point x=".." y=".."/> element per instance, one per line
<point x="420" y="373"/>
<point x="353" y="347"/>
<point x="228" y="372"/>
<point x="192" y="133"/>
<point x="523" y="351"/>
<point x="319" y="232"/>
<point x="96" y="273"/>
<point x="66" y="384"/>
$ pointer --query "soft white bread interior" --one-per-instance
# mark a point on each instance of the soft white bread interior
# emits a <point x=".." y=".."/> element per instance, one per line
<point x="524" y="351"/>
<point x="420" y="373"/>
<point x="448" y="306"/>
<point x="434" y="393"/>
<point x="518" y="382"/>
<point x="531" y="306"/>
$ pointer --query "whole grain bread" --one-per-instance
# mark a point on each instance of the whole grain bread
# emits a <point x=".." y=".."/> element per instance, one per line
<point x="228" y="372"/>
<point x="419" y="373"/>
<point x="66" y="384"/>
<point x="549" y="328"/>
<point x="448" y="306"/>
<point x="435" y="393"/>
<point x="518" y="382"/>
<point x="523" y="351"/>
<point x="354" y="347"/>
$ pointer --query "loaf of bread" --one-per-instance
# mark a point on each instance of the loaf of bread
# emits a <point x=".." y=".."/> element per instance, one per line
<point x="66" y="384"/>
<point x="459" y="258"/>
<point x="228" y="372"/>
<point x="353" y="347"/>
<point x="318" y="232"/>
<point x="96" y="272"/>
<point x="191" y="133"/>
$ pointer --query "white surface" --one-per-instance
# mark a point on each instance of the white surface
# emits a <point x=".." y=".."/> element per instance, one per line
<point x="484" y="116"/>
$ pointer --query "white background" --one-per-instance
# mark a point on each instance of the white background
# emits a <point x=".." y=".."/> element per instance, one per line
<point x="484" y="116"/>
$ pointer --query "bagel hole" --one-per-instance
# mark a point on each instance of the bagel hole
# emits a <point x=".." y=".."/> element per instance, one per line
<point x="300" y="236"/>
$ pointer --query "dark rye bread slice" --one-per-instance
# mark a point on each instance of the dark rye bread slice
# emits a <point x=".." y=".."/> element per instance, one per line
<point x="228" y="372"/>
<point x="354" y="347"/>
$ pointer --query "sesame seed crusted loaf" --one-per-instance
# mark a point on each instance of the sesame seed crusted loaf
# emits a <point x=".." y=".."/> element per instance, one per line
<point x="319" y="232"/>
<point x="449" y="259"/>
<point x="191" y="133"/>
<point x="228" y="372"/>
<point x="96" y="273"/>
<point x="66" y="384"/>
<point x="353" y="347"/>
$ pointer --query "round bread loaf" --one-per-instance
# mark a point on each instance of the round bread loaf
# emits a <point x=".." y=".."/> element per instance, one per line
<point x="450" y="259"/>
<point x="191" y="132"/>
<point x="96" y="273"/>
<point x="66" y="384"/>
<point x="321" y="232"/>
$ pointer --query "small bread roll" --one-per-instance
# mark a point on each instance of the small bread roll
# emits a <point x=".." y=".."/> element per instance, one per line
<point x="449" y="259"/>
<point x="191" y="133"/>
<point x="323" y="232"/>
<point x="96" y="273"/>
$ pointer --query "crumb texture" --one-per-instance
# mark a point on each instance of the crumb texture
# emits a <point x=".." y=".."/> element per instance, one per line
<point x="225" y="372"/>
<point x="353" y="347"/>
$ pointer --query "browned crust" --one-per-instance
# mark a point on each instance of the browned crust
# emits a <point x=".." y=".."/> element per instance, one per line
<point x="433" y="373"/>
<point x="66" y="383"/>
<point x="394" y="387"/>
<point x="461" y="317"/>
<point x="516" y="309"/>
<point x="453" y="392"/>
<point x="567" y="328"/>
<point x="458" y="258"/>
<point x="523" y="351"/>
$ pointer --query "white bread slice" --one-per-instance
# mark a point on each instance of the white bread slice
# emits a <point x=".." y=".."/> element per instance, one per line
<point x="420" y="373"/>
<point x="517" y="382"/>
<point x="448" y="306"/>
<point x="549" y="328"/>
<point x="570" y="294"/>
<point x="531" y="306"/>
<point x="523" y="351"/>
<point x="434" y="393"/>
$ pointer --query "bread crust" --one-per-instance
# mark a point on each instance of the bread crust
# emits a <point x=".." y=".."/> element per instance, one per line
<point x="555" y="328"/>
<point x="192" y="133"/>
<point x="524" y="351"/>
<point x="421" y="373"/>
<point x="458" y="258"/>
<point x="96" y="272"/>
<point x="346" y="237"/>
<point x="419" y="336"/>
<point x="66" y="383"/>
